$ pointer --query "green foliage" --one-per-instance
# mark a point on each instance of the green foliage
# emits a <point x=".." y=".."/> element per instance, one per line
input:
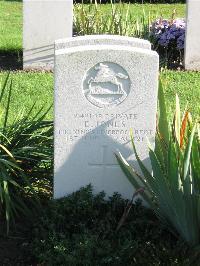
<point x="133" y="1"/>
<point x="11" y="19"/>
<point x="173" y="187"/>
<point x="25" y="154"/>
<point x="124" y="19"/>
<point x="81" y="230"/>
<point x="118" y="20"/>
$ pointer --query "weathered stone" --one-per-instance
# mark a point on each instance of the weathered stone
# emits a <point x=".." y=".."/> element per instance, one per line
<point x="192" y="41"/>
<point x="44" y="22"/>
<point x="101" y="91"/>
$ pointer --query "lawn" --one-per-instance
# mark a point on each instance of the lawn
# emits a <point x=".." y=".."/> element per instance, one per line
<point x="38" y="87"/>
<point x="10" y="26"/>
<point x="11" y="19"/>
<point x="151" y="10"/>
<point x="30" y="88"/>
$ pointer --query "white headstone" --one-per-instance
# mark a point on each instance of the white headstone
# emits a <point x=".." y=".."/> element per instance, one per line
<point x="102" y="39"/>
<point x="101" y="91"/>
<point x="192" y="41"/>
<point x="44" y="21"/>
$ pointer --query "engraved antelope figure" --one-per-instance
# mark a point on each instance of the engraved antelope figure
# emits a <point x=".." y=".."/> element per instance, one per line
<point x="105" y="74"/>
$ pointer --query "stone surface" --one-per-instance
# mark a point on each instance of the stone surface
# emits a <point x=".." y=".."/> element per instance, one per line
<point x="192" y="42"/>
<point x="101" y="91"/>
<point x="44" y="21"/>
<point x="102" y="39"/>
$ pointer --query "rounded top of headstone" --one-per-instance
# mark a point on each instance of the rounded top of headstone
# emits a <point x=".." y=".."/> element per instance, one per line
<point x="102" y="39"/>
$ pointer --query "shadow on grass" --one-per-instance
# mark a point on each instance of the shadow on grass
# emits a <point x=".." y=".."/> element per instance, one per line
<point x="11" y="60"/>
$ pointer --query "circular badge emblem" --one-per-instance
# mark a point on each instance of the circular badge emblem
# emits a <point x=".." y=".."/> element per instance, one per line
<point x="106" y="84"/>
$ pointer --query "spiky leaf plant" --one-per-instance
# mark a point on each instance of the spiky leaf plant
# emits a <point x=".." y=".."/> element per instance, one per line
<point x="25" y="154"/>
<point x="172" y="189"/>
<point x="93" y="19"/>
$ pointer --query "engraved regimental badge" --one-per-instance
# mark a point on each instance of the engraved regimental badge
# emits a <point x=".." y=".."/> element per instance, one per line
<point x="106" y="84"/>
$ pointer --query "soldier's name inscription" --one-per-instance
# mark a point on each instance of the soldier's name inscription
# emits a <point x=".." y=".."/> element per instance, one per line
<point x="99" y="125"/>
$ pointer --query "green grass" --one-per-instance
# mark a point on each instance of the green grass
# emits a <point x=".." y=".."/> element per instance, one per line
<point x="10" y="26"/>
<point x="11" y="20"/>
<point x="187" y="86"/>
<point x="155" y="10"/>
<point x="30" y="87"/>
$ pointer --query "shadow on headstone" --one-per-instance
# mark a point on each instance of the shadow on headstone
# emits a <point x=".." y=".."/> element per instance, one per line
<point x="92" y="161"/>
<point x="40" y="58"/>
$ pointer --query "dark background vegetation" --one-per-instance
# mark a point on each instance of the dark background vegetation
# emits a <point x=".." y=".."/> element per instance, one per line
<point x="81" y="230"/>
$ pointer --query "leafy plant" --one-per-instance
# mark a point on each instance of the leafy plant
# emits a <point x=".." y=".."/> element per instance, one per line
<point x="92" y="19"/>
<point x="173" y="188"/>
<point x="25" y="154"/>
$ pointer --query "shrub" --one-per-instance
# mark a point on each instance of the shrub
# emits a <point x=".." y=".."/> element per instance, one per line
<point x="173" y="187"/>
<point x="168" y="37"/>
<point x="81" y="230"/>
<point x="25" y="155"/>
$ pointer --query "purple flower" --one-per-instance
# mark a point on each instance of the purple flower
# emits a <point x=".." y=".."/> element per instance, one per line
<point x="180" y="41"/>
<point x="169" y="32"/>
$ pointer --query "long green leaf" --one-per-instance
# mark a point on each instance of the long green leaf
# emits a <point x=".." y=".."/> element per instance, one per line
<point x="177" y="121"/>
<point x="4" y="87"/>
<point x="188" y="153"/>
<point x="144" y="170"/>
<point x="162" y="119"/>
<point x="133" y="177"/>
<point x="7" y="107"/>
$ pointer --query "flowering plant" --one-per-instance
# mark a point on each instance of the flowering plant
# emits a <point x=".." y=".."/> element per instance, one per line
<point x="168" y="37"/>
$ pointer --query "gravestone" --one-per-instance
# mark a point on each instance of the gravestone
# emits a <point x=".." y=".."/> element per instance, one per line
<point x="192" y="41"/>
<point x="101" y="91"/>
<point x="44" y="21"/>
<point x="101" y="39"/>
